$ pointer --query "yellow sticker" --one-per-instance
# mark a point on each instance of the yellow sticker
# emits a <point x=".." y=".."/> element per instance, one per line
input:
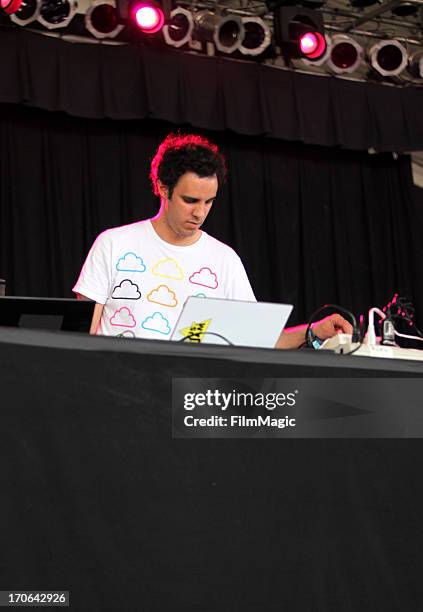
<point x="195" y="332"/>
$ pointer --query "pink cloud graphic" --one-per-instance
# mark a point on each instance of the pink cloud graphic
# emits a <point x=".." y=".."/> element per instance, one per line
<point x="123" y="318"/>
<point x="204" y="277"/>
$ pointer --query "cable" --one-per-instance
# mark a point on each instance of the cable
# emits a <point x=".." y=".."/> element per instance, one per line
<point x="371" y="333"/>
<point x="401" y="309"/>
<point x="206" y="333"/>
<point x="361" y="332"/>
<point x="408" y="337"/>
<point x="356" y="336"/>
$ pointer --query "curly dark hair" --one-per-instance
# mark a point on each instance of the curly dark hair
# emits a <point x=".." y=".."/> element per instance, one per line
<point x="179" y="153"/>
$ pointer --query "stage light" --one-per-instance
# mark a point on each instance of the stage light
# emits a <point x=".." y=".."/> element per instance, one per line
<point x="405" y="9"/>
<point x="56" y="13"/>
<point x="27" y="13"/>
<point x="346" y="54"/>
<point x="101" y="19"/>
<point x="362" y="3"/>
<point x="257" y="36"/>
<point x="388" y="57"/>
<point x="10" y="6"/>
<point x="179" y="30"/>
<point x="227" y="33"/>
<point x="148" y="17"/>
<point x="300" y="33"/>
<point x="415" y="65"/>
<point x="310" y="44"/>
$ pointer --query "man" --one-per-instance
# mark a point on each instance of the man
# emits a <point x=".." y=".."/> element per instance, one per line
<point x="141" y="274"/>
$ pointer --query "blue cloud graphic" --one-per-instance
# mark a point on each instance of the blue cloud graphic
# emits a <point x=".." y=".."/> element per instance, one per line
<point x="130" y="262"/>
<point x="158" y="323"/>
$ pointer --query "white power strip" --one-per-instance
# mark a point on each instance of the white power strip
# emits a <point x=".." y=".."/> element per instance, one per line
<point x="341" y="343"/>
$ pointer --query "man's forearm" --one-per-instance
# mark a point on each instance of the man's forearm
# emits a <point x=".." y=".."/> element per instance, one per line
<point x="292" y="337"/>
<point x="98" y="311"/>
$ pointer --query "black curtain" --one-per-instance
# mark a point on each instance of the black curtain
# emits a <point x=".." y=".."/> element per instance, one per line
<point x="150" y="80"/>
<point x="312" y="224"/>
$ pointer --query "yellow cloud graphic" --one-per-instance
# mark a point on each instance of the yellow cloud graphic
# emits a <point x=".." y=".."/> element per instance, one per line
<point x="168" y="268"/>
<point x="163" y="295"/>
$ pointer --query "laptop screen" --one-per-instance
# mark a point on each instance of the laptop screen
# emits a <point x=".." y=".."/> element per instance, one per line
<point x="231" y="322"/>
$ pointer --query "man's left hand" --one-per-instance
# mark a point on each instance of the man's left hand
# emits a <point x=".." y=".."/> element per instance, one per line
<point x="330" y="326"/>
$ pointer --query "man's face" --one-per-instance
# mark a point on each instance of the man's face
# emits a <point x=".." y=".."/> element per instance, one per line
<point x="190" y="203"/>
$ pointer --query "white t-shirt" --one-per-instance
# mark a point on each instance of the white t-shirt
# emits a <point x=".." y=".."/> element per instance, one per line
<point x="144" y="281"/>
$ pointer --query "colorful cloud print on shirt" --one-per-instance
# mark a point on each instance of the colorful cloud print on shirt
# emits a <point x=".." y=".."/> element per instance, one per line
<point x="204" y="277"/>
<point x="163" y="295"/>
<point x="168" y="268"/>
<point x="157" y="323"/>
<point x="123" y="318"/>
<point x="130" y="262"/>
<point x="127" y="290"/>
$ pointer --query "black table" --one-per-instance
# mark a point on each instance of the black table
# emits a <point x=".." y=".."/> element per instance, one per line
<point x="99" y="499"/>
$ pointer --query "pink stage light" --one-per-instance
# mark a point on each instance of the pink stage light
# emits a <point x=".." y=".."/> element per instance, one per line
<point x="312" y="45"/>
<point x="308" y="43"/>
<point x="10" y="6"/>
<point x="149" y="18"/>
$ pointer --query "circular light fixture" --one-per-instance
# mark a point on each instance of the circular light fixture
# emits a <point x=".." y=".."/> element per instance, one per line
<point x="310" y="44"/>
<point x="314" y="48"/>
<point x="10" y="6"/>
<point x="178" y="31"/>
<point x="388" y="57"/>
<point x="148" y="17"/>
<point x="415" y="65"/>
<point x="405" y="9"/>
<point x="27" y="12"/>
<point x="346" y="54"/>
<point x="227" y="33"/>
<point x="257" y="36"/>
<point x="101" y="19"/>
<point x="362" y="3"/>
<point x="56" y="13"/>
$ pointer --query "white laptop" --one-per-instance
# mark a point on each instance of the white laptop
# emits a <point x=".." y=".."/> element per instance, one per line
<point x="231" y="322"/>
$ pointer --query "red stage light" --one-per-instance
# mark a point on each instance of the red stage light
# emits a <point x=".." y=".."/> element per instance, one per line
<point x="308" y="43"/>
<point x="148" y="17"/>
<point x="10" y="6"/>
<point x="312" y="45"/>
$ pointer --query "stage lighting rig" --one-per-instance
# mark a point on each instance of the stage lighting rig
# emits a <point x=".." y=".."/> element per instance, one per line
<point x="388" y="57"/>
<point x="10" y="6"/>
<point x="178" y="31"/>
<point x="360" y="4"/>
<point x="257" y="36"/>
<point x="57" y="13"/>
<point x="226" y="32"/>
<point x="27" y="13"/>
<point x="415" y="65"/>
<point x="346" y="55"/>
<point x="405" y="9"/>
<point x="102" y="19"/>
<point x="147" y="16"/>
<point x="300" y="33"/>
